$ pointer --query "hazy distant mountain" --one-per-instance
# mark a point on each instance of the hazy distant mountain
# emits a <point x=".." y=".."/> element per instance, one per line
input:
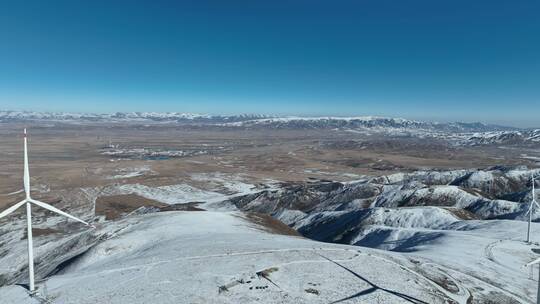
<point x="6" y="116"/>
<point x="368" y="122"/>
<point x="257" y="121"/>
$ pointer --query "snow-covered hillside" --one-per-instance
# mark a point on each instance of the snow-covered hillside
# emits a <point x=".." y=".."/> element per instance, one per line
<point x="209" y="257"/>
<point x="390" y="212"/>
<point x="223" y="257"/>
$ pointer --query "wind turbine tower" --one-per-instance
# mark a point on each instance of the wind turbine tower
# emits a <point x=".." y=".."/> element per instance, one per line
<point x="29" y="201"/>
<point x="531" y="208"/>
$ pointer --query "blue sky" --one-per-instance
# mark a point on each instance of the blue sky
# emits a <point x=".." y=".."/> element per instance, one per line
<point x="437" y="60"/>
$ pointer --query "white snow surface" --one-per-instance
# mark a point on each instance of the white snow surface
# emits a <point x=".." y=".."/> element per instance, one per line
<point x="483" y="254"/>
<point x="184" y="257"/>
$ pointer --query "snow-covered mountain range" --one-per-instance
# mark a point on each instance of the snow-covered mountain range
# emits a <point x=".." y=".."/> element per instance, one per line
<point x="256" y="120"/>
<point x="369" y="212"/>
<point x="460" y="133"/>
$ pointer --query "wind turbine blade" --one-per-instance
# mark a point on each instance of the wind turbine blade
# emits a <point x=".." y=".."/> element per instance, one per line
<point x="53" y="209"/>
<point x="11" y="209"/>
<point x="533" y="262"/>
<point x="533" y="190"/>
<point x="26" y="177"/>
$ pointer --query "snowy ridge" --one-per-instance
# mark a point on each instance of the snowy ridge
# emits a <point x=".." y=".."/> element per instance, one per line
<point x="219" y="257"/>
<point x="338" y="212"/>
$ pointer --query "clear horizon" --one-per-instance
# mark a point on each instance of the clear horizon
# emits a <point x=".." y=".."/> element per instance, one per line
<point x="423" y="60"/>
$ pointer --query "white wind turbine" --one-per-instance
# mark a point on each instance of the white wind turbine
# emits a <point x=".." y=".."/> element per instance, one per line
<point x="28" y="201"/>
<point x="531" y="208"/>
<point x="537" y="261"/>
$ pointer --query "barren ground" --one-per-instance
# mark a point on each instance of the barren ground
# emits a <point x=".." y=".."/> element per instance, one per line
<point x="70" y="156"/>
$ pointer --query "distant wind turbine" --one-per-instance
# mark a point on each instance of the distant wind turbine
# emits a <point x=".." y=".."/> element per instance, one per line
<point x="537" y="261"/>
<point x="531" y="208"/>
<point x="28" y="201"/>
